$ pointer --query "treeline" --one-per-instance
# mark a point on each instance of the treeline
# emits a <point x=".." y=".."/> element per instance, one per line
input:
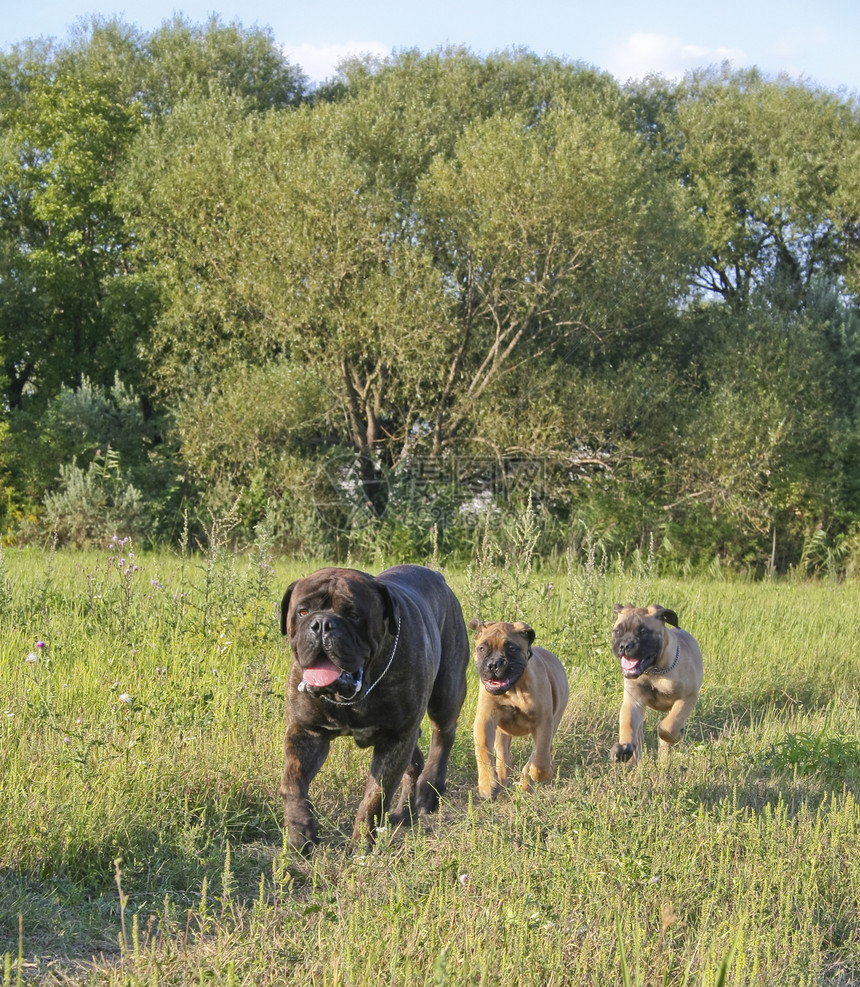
<point x="417" y="300"/>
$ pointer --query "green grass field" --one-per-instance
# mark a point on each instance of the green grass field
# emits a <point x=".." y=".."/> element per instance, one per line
<point x="141" y="757"/>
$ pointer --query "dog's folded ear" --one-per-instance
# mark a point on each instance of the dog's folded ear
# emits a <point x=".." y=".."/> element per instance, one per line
<point x="522" y="628"/>
<point x="667" y="616"/>
<point x="285" y="606"/>
<point x="390" y="606"/>
<point x="476" y="623"/>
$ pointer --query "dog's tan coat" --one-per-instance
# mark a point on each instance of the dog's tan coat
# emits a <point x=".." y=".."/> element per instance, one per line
<point x="532" y="706"/>
<point x="667" y="686"/>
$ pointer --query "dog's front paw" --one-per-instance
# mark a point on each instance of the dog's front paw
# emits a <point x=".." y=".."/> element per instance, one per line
<point x="534" y="773"/>
<point x="621" y="752"/>
<point x="300" y="826"/>
<point x="302" y="841"/>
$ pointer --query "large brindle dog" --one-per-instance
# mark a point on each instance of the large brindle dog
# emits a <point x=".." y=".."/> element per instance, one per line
<point x="662" y="669"/>
<point x="371" y="655"/>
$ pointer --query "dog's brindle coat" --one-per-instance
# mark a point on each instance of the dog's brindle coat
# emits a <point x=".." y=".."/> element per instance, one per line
<point x="662" y="669"/>
<point x="371" y="655"/>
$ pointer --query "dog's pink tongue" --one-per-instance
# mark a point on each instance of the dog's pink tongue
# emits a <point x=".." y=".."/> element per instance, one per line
<point x="322" y="674"/>
<point x="628" y="663"/>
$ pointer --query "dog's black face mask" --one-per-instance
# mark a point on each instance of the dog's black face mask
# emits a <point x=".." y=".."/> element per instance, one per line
<point x="333" y="632"/>
<point x="638" y="637"/>
<point x="636" y="646"/>
<point x="501" y="661"/>
<point x="329" y="649"/>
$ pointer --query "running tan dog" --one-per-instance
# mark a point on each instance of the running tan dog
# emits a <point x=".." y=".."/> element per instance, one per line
<point x="662" y="669"/>
<point x="523" y="692"/>
<point x="371" y="655"/>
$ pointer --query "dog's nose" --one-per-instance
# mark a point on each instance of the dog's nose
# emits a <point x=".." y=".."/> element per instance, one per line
<point x="322" y="625"/>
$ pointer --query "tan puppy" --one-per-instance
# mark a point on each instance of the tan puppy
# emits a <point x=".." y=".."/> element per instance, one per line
<point x="523" y="692"/>
<point x="662" y="669"/>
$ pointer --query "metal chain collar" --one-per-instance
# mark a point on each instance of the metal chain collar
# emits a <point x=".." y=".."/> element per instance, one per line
<point x="356" y="698"/>
<point x="665" y="671"/>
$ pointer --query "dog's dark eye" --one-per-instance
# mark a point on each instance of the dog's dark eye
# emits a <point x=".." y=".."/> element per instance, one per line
<point x="303" y="612"/>
<point x="482" y="649"/>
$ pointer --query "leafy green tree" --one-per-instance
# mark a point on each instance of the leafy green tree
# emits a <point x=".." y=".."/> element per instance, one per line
<point x="65" y="122"/>
<point x="765" y="164"/>
<point x="411" y="107"/>
<point x="763" y="446"/>
<point x="545" y="232"/>
<point x="409" y="283"/>
<point x="295" y="254"/>
<point x="68" y="114"/>
<point x="184" y="60"/>
<point x="72" y="305"/>
<point x="771" y="444"/>
<point x="242" y="441"/>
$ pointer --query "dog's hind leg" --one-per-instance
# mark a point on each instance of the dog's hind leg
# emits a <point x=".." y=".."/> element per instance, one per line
<point x="443" y="710"/>
<point x="539" y="766"/>
<point x="387" y="767"/>
<point x="403" y="812"/>
<point x="671" y="728"/>
<point x="431" y="782"/>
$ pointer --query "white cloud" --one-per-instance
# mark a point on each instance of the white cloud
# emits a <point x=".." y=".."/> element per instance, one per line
<point x="319" y="62"/>
<point x="660" y="54"/>
<point x="793" y="46"/>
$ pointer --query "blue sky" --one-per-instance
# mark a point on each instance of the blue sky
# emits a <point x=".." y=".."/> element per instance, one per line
<point x="818" y="40"/>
